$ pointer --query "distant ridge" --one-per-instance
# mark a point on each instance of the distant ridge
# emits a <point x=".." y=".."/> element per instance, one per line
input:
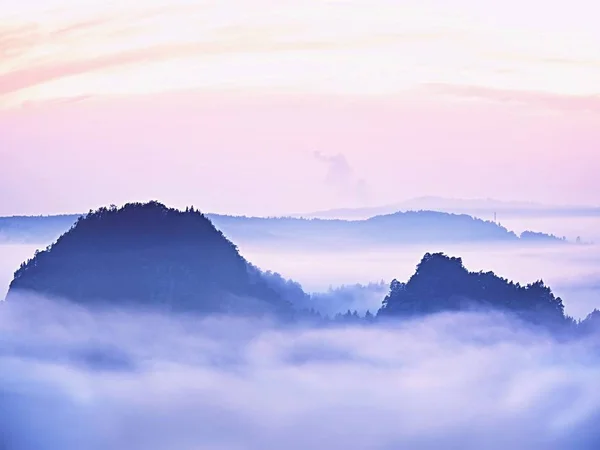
<point x="483" y="208"/>
<point x="398" y="228"/>
<point x="35" y="229"/>
<point x="401" y="227"/>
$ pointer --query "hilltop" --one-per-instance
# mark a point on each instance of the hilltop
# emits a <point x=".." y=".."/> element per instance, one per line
<point x="442" y="283"/>
<point x="149" y="255"/>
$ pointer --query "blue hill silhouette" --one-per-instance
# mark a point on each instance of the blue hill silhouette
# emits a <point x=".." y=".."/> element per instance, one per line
<point x="151" y="255"/>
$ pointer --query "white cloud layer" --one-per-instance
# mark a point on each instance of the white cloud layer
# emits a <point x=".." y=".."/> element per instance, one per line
<point x="123" y="380"/>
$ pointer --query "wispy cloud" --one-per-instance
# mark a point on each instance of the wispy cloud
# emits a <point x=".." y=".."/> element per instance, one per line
<point x="542" y="100"/>
<point x="32" y="76"/>
<point x="353" y="46"/>
<point x="343" y="178"/>
<point x="20" y="44"/>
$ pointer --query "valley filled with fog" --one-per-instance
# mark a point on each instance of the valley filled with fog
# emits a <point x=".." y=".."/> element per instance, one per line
<point x="76" y="373"/>
<point x="573" y="271"/>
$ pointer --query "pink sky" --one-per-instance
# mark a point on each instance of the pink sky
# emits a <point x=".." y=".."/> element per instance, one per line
<point x="267" y="107"/>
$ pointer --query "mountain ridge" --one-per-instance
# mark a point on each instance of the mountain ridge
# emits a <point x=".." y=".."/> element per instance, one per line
<point x="411" y="226"/>
<point x="478" y="207"/>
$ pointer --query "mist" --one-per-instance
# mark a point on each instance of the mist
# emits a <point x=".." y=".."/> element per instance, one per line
<point x="342" y="279"/>
<point x="572" y="271"/>
<point x="118" y="379"/>
<point x="11" y="256"/>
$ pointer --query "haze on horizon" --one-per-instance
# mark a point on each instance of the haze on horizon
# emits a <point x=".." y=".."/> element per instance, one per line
<point x="267" y="107"/>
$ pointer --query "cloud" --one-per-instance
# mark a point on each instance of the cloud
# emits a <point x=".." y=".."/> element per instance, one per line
<point x="47" y="50"/>
<point x="15" y="40"/>
<point x="542" y="100"/>
<point x="117" y="379"/>
<point x="37" y="74"/>
<point x="342" y="177"/>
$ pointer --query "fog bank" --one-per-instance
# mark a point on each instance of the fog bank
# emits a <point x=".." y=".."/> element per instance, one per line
<point x="572" y="271"/>
<point x="126" y="379"/>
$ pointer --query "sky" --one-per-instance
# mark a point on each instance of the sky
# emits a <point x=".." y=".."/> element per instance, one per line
<point x="271" y="107"/>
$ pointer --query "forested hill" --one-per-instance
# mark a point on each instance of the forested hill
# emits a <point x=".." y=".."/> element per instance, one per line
<point x="399" y="228"/>
<point x="441" y="283"/>
<point x="151" y="255"/>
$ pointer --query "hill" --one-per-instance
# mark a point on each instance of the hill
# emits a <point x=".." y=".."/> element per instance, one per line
<point x="397" y="228"/>
<point x="149" y="255"/>
<point x="441" y="283"/>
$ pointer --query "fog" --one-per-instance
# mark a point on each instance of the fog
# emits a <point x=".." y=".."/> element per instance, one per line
<point x="570" y="226"/>
<point x="121" y="380"/>
<point x="572" y="271"/>
<point x="11" y="256"/>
